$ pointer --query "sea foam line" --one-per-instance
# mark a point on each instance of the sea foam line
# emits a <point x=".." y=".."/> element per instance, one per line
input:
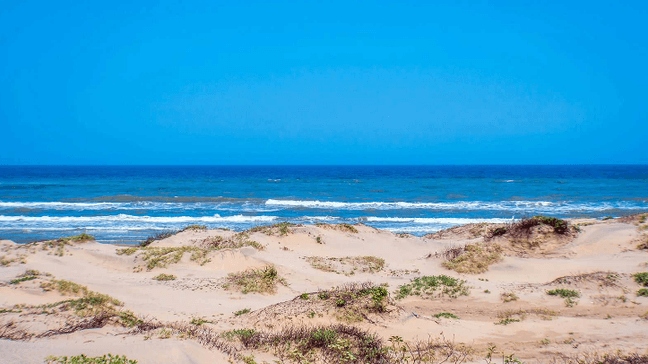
<point x="516" y="206"/>
<point x="131" y="218"/>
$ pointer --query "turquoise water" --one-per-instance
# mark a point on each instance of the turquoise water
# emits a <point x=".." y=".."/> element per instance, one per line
<point x="126" y="204"/>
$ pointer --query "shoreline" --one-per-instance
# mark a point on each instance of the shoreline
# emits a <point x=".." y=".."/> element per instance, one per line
<point x="188" y="284"/>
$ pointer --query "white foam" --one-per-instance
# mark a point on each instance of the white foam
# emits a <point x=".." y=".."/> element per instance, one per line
<point x="434" y="220"/>
<point x="131" y="218"/>
<point x="519" y="206"/>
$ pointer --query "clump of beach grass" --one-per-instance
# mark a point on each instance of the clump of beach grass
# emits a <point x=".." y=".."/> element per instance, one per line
<point x="474" y="258"/>
<point x="568" y="294"/>
<point x="433" y="286"/>
<point x="165" y="277"/>
<point x="242" y="312"/>
<point x="509" y="297"/>
<point x="264" y="280"/>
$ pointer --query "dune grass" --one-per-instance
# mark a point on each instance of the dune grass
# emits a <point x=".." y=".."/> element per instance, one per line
<point x="83" y="359"/>
<point x="568" y="294"/>
<point x="475" y="258"/>
<point x="165" y="277"/>
<point x="161" y="257"/>
<point x="433" y="286"/>
<point x="264" y="280"/>
<point x="347" y="265"/>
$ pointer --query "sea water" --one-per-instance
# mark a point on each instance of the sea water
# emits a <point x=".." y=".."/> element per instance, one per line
<point x="125" y="204"/>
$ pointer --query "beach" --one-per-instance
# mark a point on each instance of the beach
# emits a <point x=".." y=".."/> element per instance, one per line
<point x="543" y="291"/>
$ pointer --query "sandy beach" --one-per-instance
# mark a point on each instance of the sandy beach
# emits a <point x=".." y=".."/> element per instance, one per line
<point x="321" y="293"/>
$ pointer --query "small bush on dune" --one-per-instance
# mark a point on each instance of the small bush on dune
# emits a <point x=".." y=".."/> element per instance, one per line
<point x="523" y="228"/>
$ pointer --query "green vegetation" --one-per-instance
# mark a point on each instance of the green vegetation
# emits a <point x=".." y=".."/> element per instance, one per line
<point x="506" y="321"/>
<point x="347" y="265"/>
<point x="446" y="315"/>
<point x="60" y="243"/>
<point x="242" y="312"/>
<point x="90" y="302"/>
<point x="509" y="297"/>
<point x="241" y="334"/>
<point x="199" y="321"/>
<point x="475" y="258"/>
<point x="165" y="277"/>
<point x="608" y="218"/>
<point x="344" y="344"/>
<point x="643" y="292"/>
<point x="641" y="278"/>
<point x="304" y="296"/>
<point x="83" y="359"/>
<point x="29" y="275"/>
<point x="263" y="280"/>
<point x="567" y="294"/>
<point x="428" y="286"/>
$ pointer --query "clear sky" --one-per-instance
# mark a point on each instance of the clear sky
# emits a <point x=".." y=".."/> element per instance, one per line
<point x="331" y="82"/>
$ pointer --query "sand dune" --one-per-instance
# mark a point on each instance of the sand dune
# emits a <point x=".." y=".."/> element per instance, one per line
<point x="295" y="277"/>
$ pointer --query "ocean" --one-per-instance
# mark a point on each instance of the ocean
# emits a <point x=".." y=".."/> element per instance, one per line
<point x="125" y="204"/>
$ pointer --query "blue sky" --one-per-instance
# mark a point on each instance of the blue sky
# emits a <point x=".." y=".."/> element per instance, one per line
<point x="272" y="82"/>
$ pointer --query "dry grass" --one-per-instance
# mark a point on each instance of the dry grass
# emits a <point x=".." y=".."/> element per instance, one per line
<point x="347" y="228"/>
<point x="280" y="229"/>
<point x="263" y="280"/>
<point x="475" y="258"/>
<point x="162" y="257"/>
<point x="509" y="297"/>
<point x="165" y="277"/>
<point x="510" y="316"/>
<point x="347" y="265"/>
